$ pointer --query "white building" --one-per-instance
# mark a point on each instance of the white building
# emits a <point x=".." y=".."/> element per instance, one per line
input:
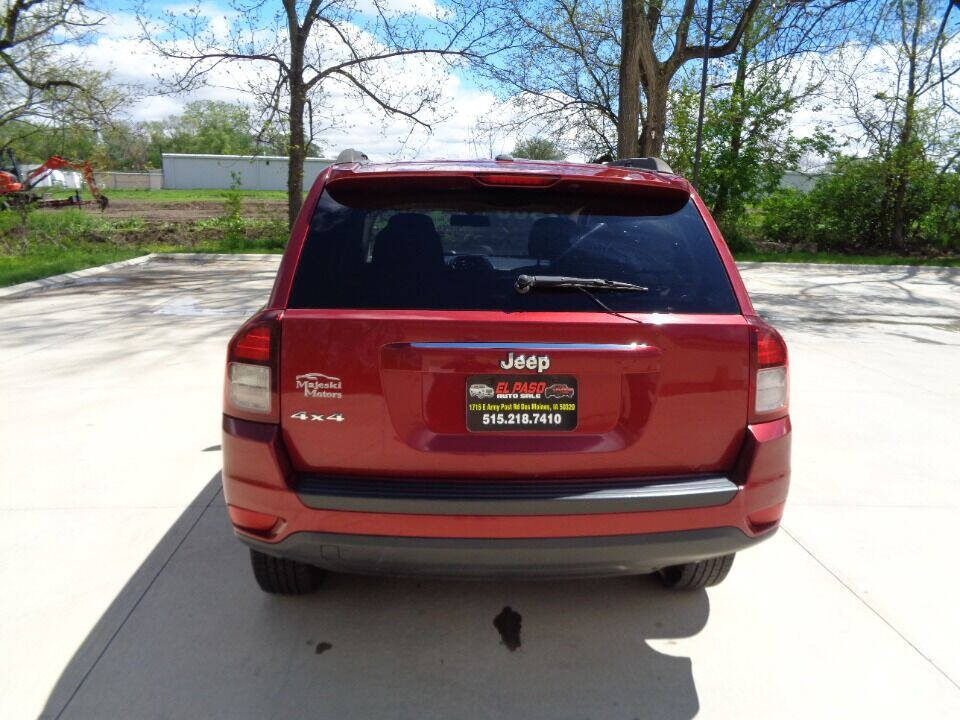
<point x="222" y="172"/>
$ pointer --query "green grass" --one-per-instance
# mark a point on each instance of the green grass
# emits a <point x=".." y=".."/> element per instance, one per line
<point x="50" y="260"/>
<point x="837" y="258"/>
<point x="70" y="239"/>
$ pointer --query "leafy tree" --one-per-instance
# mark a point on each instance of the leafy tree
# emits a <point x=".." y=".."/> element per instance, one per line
<point x="906" y="104"/>
<point x="34" y="143"/>
<point x="538" y="148"/>
<point x="747" y="141"/>
<point x="210" y="127"/>
<point x="126" y="147"/>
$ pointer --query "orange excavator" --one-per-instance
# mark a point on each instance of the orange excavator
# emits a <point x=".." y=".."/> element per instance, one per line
<point x="18" y="191"/>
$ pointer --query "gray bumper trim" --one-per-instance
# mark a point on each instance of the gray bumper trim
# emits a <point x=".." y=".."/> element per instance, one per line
<point x="486" y="557"/>
<point x="498" y="497"/>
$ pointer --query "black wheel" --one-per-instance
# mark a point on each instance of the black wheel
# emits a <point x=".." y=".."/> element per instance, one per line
<point x="697" y="575"/>
<point x="284" y="577"/>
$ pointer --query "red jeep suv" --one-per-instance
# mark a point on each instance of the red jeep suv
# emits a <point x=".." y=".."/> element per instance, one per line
<point x="504" y="368"/>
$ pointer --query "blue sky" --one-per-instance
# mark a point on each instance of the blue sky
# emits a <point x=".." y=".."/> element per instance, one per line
<point x="454" y="132"/>
<point x="116" y="49"/>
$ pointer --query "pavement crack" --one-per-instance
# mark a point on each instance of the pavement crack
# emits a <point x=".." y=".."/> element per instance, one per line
<point x="871" y="608"/>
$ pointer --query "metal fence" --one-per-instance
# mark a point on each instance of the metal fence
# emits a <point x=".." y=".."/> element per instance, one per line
<point x="152" y="180"/>
<point x="222" y="172"/>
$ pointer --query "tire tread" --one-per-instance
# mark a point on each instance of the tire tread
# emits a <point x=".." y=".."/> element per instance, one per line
<point x="281" y="576"/>
<point x="697" y="575"/>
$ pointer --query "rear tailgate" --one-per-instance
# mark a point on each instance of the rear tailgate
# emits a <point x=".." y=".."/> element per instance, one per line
<point x="387" y="393"/>
<point x="409" y="350"/>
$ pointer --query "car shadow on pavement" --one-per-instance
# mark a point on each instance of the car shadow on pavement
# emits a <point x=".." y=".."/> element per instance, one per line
<point x="191" y="635"/>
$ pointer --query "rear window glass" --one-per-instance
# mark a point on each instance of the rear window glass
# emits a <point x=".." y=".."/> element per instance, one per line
<point x="462" y="250"/>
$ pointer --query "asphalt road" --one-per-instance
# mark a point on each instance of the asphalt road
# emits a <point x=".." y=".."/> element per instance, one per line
<point x="125" y="595"/>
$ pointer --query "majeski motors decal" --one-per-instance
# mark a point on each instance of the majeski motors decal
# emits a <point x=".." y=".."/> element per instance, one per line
<point x="318" y="385"/>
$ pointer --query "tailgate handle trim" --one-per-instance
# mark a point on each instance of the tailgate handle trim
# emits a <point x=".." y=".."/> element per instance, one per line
<point x="629" y="347"/>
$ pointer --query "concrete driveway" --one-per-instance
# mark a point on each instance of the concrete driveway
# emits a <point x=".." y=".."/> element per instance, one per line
<point x="125" y="595"/>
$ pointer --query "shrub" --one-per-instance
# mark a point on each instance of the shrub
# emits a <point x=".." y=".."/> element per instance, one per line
<point x="737" y="234"/>
<point x="786" y="217"/>
<point x="846" y="210"/>
<point x="938" y="224"/>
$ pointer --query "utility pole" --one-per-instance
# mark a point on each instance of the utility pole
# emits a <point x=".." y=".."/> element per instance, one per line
<point x="703" y="95"/>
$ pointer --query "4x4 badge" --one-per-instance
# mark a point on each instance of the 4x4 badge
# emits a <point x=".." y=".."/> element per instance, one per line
<point x="314" y="417"/>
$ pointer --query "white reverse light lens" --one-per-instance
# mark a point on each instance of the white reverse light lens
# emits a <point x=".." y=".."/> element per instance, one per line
<point x="250" y="386"/>
<point x="771" y="389"/>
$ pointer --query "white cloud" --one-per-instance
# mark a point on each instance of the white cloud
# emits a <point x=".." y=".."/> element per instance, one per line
<point x="363" y="125"/>
<point x="454" y="128"/>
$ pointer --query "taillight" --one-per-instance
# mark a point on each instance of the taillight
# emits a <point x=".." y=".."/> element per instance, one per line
<point x="254" y="344"/>
<point x="249" y="386"/>
<point x="768" y="369"/>
<point x="252" y="369"/>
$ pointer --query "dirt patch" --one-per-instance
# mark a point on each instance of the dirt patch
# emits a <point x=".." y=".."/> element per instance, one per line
<point x="122" y="208"/>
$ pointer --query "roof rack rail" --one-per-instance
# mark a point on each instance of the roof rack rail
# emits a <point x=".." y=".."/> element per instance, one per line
<point x="644" y="163"/>
<point x="351" y="155"/>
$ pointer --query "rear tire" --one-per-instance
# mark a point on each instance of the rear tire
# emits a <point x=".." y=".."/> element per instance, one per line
<point x="284" y="577"/>
<point x="697" y="575"/>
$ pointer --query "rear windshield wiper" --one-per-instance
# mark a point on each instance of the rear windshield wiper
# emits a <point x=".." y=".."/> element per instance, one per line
<point x="526" y="283"/>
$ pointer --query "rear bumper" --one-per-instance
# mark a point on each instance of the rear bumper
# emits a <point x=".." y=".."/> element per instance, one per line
<point x="525" y="557"/>
<point x="558" y="528"/>
<point x="436" y="496"/>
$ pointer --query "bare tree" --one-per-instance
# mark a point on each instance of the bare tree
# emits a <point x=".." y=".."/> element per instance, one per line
<point x="603" y="68"/>
<point x="901" y="86"/>
<point x="303" y="56"/>
<point x="640" y="65"/>
<point x="42" y="79"/>
<point x="557" y="69"/>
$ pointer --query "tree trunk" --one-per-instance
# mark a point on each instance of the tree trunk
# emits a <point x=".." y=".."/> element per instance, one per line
<point x="297" y="151"/>
<point x="298" y="101"/>
<point x="655" y="121"/>
<point x="736" y="134"/>
<point x="903" y="154"/>
<point x="628" y="112"/>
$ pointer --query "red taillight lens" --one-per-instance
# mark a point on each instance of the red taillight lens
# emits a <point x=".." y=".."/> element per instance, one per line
<point x="769" y="387"/>
<point x="518" y="179"/>
<point x="254" y="344"/>
<point x="251" y="389"/>
<point x="771" y="350"/>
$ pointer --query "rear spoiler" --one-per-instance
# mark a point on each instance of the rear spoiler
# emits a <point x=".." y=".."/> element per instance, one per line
<point x="599" y="181"/>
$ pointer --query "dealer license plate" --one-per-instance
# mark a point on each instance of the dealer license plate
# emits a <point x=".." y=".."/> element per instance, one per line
<point x="522" y="402"/>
